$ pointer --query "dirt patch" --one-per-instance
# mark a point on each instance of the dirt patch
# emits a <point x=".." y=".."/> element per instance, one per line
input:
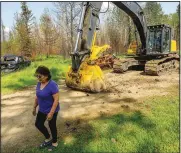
<point x="132" y="84"/>
<point x="126" y="90"/>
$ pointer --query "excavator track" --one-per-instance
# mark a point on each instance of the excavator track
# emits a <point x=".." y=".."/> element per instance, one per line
<point x="162" y="65"/>
<point x="122" y="65"/>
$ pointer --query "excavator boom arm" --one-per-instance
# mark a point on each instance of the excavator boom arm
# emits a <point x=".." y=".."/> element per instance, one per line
<point x="88" y="22"/>
<point x="134" y="10"/>
<point x="91" y="17"/>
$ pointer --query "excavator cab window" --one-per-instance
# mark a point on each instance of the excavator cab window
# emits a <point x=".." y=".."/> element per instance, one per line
<point x="166" y="40"/>
<point x="154" y="40"/>
<point x="159" y="39"/>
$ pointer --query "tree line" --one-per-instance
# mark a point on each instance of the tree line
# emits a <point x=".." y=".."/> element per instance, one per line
<point x="56" y="30"/>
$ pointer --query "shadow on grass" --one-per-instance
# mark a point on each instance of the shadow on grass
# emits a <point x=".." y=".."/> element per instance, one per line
<point x="149" y="146"/>
<point x="88" y="133"/>
<point x="137" y="118"/>
<point x="22" y="83"/>
<point x="83" y="133"/>
<point x="14" y="86"/>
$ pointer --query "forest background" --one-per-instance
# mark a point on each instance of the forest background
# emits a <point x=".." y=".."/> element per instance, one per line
<point x="55" y="32"/>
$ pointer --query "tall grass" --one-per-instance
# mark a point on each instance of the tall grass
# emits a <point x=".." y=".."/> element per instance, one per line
<point x="25" y="78"/>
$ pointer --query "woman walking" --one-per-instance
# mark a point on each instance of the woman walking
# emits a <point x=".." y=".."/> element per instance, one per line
<point x="47" y="98"/>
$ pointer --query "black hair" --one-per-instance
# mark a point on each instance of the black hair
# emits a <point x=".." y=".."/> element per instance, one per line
<point x="43" y="70"/>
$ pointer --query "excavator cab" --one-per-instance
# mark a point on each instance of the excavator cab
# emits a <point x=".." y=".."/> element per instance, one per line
<point x="159" y="40"/>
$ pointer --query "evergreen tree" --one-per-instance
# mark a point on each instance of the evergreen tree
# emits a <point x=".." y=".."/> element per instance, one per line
<point x="153" y="13"/>
<point x="23" y="27"/>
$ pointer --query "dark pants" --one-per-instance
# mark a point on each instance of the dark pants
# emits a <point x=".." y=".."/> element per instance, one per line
<point x="40" y="120"/>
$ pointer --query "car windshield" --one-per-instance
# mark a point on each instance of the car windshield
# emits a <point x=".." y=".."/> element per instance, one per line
<point x="9" y="59"/>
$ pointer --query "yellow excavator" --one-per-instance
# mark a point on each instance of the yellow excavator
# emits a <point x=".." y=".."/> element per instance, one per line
<point x="157" y="52"/>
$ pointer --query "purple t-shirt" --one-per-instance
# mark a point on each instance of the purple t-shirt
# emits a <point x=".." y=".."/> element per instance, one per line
<point x="45" y="96"/>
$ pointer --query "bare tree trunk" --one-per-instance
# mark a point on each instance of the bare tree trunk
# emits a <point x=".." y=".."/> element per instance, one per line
<point x="71" y="20"/>
<point x="67" y="15"/>
<point x="129" y="31"/>
<point x="3" y="31"/>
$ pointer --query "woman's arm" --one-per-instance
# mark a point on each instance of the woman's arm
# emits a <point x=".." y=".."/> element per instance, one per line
<point x="55" y="103"/>
<point x="35" y="103"/>
<point x="55" y="94"/>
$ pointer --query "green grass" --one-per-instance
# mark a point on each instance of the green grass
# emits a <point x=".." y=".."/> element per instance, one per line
<point x="124" y="56"/>
<point x="153" y="129"/>
<point x="25" y="78"/>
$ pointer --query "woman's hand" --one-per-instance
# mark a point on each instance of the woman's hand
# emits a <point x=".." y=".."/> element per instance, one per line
<point x="49" y="116"/>
<point x="34" y="112"/>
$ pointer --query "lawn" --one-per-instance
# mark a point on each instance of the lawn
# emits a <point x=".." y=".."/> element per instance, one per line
<point x="25" y="78"/>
